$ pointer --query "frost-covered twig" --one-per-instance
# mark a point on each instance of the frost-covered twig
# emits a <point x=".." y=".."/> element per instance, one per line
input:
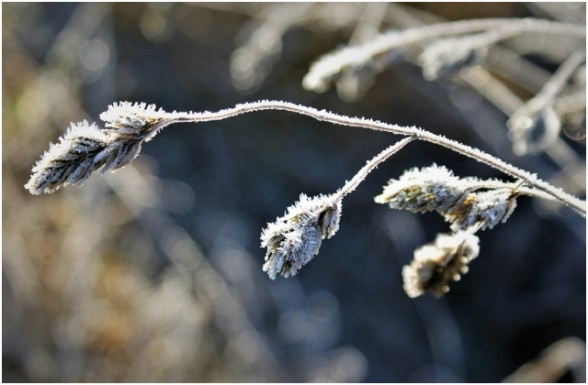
<point x="371" y="165"/>
<point x="137" y="123"/>
<point x="445" y="54"/>
<point x="327" y="67"/>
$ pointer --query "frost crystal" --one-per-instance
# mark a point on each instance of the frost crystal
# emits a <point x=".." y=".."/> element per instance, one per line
<point x="435" y="265"/>
<point x="294" y="239"/>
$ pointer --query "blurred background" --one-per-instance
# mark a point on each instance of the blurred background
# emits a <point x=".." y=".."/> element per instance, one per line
<point x="154" y="273"/>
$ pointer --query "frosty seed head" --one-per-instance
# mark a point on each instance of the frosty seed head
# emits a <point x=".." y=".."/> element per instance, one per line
<point x="86" y="148"/>
<point x="134" y="119"/>
<point x="482" y="210"/>
<point x="430" y="188"/>
<point x="294" y="239"/>
<point x="461" y="201"/>
<point x="435" y="265"/>
<point x="83" y="149"/>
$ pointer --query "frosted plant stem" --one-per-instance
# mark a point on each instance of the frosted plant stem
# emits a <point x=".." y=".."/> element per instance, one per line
<point x="330" y="64"/>
<point x="371" y="165"/>
<point x="417" y="133"/>
<point x="515" y="187"/>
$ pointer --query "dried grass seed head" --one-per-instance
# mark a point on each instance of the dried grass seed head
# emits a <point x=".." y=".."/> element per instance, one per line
<point x="435" y="188"/>
<point x="532" y="132"/>
<point x="294" y="239"/>
<point x="435" y="265"/>
<point x="135" y="118"/>
<point x="430" y="188"/>
<point x="85" y="148"/>
<point x="80" y="151"/>
<point x="447" y="55"/>
<point x="482" y="210"/>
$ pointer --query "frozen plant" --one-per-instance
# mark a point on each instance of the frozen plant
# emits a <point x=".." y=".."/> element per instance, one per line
<point x="458" y="200"/>
<point x="539" y="112"/>
<point x="331" y="65"/>
<point x="87" y="148"/>
<point x="293" y="240"/>
<point x="434" y="265"/>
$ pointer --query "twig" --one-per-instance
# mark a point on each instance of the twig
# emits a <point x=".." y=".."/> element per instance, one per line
<point x="573" y="202"/>
<point x="331" y="64"/>
<point x="550" y="90"/>
<point x="371" y="165"/>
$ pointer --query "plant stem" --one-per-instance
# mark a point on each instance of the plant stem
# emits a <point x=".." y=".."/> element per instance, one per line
<point x="513" y="186"/>
<point x="371" y="165"/>
<point x="330" y="64"/>
<point x="416" y="133"/>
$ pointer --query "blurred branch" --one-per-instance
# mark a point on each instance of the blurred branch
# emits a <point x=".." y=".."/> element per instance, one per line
<point x="539" y="111"/>
<point x="554" y="361"/>
<point x="324" y="69"/>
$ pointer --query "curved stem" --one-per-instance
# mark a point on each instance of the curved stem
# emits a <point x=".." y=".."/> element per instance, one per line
<point x="417" y="133"/>
<point x="330" y="64"/>
<point x="514" y="186"/>
<point x="371" y="165"/>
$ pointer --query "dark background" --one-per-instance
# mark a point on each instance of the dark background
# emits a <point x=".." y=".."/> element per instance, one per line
<point x="153" y="273"/>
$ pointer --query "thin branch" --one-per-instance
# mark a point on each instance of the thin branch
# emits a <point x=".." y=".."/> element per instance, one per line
<point x="331" y="64"/>
<point x="553" y="87"/>
<point x="371" y="165"/>
<point x="571" y="201"/>
<point x="514" y="186"/>
<point x="539" y="111"/>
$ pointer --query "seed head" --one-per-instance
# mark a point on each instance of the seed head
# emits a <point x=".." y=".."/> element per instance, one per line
<point x="460" y="201"/>
<point x="482" y="210"/>
<point x="445" y="56"/>
<point x="294" y="239"/>
<point x="83" y="149"/>
<point x="430" y="188"/>
<point x="133" y="119"/>
<point x="435" y="265"/>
